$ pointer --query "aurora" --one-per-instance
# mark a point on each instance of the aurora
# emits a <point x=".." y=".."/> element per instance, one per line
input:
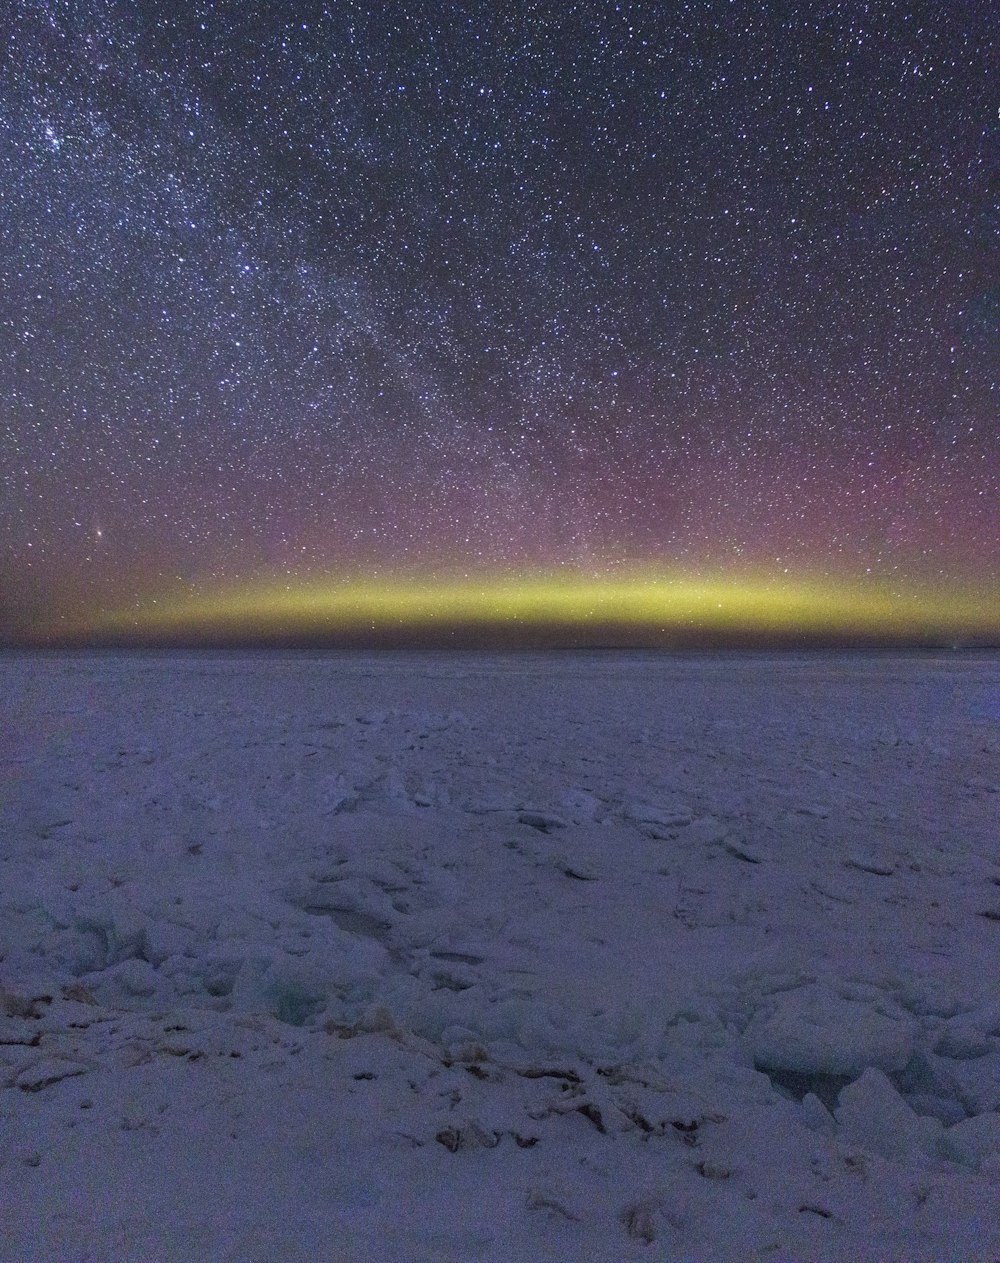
<point x="636" y="609"/>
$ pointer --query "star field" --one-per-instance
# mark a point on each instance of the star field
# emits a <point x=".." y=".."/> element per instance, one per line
<point x="313" y="292"/>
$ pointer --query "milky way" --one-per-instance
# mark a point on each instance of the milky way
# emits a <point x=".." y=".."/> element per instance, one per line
<point x="423" y="293"/>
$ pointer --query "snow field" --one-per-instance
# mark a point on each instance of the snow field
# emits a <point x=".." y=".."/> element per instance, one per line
<point x="539" y="957"/>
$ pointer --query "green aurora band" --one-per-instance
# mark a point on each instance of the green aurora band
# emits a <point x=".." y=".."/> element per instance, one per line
<point x="547" y="609"/>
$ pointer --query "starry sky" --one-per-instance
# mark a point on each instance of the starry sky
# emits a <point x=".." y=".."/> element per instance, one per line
<point x="314" y="297"/>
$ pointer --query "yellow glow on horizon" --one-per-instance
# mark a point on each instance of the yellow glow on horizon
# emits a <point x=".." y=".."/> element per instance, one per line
<point x="650" y="607"/>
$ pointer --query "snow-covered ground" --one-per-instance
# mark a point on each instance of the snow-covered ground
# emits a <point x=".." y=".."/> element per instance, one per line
<point x="530" y="957"/>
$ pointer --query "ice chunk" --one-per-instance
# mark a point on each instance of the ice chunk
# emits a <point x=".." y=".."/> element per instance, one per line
<point x="973" y="1140"/>
<point x="870" y="859"/>
<point x="978" y="1082"/>
<point x="815" y="1115"/>
<point x="750" y="852"/>
<point x="544" y="821"/>
<point x="653" y="817"/>
<point x="872" y="1114"/>
<point x="814" y="1031"/>
<point x="818" y="810"/>
<point x="582" y="870"/>
<point x="136" y="977"/>
<point x="293" y="999"/>
<point x="358" y="895"/>
<point x="929" y="1087"/>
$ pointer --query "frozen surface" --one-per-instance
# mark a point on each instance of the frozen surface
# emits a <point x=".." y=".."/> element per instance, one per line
<point x="539" y="957"/>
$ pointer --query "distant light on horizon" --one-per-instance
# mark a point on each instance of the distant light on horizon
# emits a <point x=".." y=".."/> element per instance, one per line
<point x="633" y="609"/>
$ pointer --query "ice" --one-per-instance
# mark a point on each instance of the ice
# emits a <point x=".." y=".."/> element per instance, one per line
<point x="871" y="860"/>
<point x="537" y="957"/>
<point x="975" y="1142"/>
<point x="658" y="820"/>
<point x="871" y="1113"/>
<point x="812" y="1031"/>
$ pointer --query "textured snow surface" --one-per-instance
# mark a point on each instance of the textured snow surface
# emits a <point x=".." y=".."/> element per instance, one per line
<point x="472" y="957"/>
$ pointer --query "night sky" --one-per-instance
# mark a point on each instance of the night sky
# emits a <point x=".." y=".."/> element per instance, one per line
<point x="299" y="299"/>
